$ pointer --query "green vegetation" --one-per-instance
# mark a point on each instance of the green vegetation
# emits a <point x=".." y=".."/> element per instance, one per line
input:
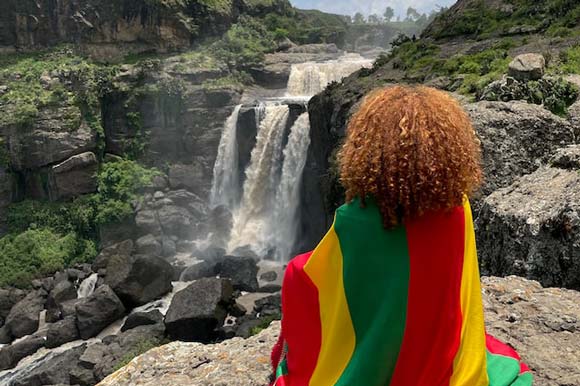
<point x="37" y="252"/>
<point x="264" y="323"/>
<point x="570" y="61"/>
<point x="556" y="17"/>
<point x="33" y="81"/>
<point x="141" y="348"/>
<point x="47" y="236"/>
<point x="244" y="45"/>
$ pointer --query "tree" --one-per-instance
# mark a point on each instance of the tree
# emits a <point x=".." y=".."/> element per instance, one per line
<point x="389" y="14"/>
<point x="412" y="14"/>
<point x="374" y="19"/>
<point x="359" y="18"/>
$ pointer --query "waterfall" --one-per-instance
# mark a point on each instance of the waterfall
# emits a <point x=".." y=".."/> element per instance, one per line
<point x="262" y="178"/>
<point x="225" y="184"/>
<point x="310" y="78"/>
<point x="285" y="216"/>
<point x="88" y="286"/>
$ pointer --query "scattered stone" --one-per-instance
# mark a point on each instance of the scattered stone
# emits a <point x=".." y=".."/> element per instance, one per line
<point x="62" y="332"/>
<point x="527" y="67"/>
<point x="142" y="319"/>
<point x="199" y="310"/>
<point x="98" y="311"/>
<point x="138" y="280"/>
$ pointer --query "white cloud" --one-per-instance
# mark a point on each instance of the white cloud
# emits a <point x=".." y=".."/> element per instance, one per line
<point x="349" y="7"/>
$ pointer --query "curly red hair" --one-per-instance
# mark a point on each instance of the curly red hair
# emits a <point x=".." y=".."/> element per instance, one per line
<point x="413" y="149"/>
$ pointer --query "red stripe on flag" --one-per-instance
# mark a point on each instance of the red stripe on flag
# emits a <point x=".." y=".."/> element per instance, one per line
<point x="301" y="324"/>
<point x="433" y="327"/>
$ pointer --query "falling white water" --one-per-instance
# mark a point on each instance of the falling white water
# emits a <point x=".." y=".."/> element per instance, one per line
<point x="262" y="178"/>
<point x="285" y="215"/>
<point x="224" y="190"/>
<point x="310" y="78"/>
<point x="88" y="286"/>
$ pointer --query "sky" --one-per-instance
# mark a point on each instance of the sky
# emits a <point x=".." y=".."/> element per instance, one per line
<point x="350" y="7"/>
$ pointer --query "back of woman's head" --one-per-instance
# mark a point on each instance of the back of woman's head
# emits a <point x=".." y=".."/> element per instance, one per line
<point x="413" y="149"/>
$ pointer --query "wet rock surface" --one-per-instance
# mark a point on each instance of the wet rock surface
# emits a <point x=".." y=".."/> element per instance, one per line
<point x="540" y="323"/>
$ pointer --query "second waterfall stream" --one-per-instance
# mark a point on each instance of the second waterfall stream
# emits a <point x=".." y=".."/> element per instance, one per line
<point x="265" y="199"/>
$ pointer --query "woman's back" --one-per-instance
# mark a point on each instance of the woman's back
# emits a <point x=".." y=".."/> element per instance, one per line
<point x="389" y="300"/>
<point x="391" y="295"/>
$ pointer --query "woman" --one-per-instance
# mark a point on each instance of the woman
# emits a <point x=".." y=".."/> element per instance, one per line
<point x="391" y="296"/>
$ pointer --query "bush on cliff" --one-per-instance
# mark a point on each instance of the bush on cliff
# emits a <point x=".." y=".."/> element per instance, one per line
<point x="38" y="252"/>
<point x="47" y="236"/>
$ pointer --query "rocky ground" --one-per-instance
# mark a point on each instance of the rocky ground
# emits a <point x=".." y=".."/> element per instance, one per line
<point x="542" y="324"/>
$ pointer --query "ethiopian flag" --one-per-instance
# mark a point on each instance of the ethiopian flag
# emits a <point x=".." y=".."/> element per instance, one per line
<point x="399" y="307"/>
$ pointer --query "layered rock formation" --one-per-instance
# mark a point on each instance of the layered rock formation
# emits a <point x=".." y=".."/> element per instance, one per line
<point x="113" y="28"/>
<point x="540" y="323"/>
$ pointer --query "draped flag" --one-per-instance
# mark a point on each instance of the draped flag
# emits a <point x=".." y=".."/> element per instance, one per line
<point x="398" y="307"/>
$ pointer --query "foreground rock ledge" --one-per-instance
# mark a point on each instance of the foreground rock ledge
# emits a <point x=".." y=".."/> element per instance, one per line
<point x="542" y="324"/>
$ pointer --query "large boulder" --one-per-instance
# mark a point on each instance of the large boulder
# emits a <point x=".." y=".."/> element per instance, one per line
<point x="243" y="271"/>
<point x="8" y="298"/>
<point x="100" y="359"/>
<point x="119" y="251"/>
<point x="62" y="292"/>
<point x="139" y="279"/>
<point x="53" y="369"/>
<point x="11" y="355"/>
<point x="196" y="312"/>
<point x="137" y="319"/>
<point x="527" y="67"/>
<point x="24" y="317"/>
<point x="199" y="270"/>
<point x="516" y="139"/>
<point x="532" y="228"/>
<point x="97" y="311"/>
<point x="49" y="139"/>
<point x="62" y="332"/>
<point x="74" y="176"/>
<point x="175" y="221"/>
<point x="542" y="324"/>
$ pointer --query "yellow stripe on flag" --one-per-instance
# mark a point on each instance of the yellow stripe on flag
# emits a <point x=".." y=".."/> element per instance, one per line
<point x="338" y="337"/>
<point x="469" y="367"/>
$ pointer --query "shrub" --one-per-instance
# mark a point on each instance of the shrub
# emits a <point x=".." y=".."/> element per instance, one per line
<point x="119" y="185"/>
<point x="37" y="252"/>
<point x="244" y="45"/>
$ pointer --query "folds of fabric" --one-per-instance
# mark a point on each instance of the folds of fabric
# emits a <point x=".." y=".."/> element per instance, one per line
<point x="398" y="307"/>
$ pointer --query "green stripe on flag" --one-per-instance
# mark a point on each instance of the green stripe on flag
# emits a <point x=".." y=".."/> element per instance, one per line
<point x="376" y="291"/>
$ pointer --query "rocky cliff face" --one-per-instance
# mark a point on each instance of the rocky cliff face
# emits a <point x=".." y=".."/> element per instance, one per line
<point x="540" y="323"/>
<point x="108" y="29"/>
